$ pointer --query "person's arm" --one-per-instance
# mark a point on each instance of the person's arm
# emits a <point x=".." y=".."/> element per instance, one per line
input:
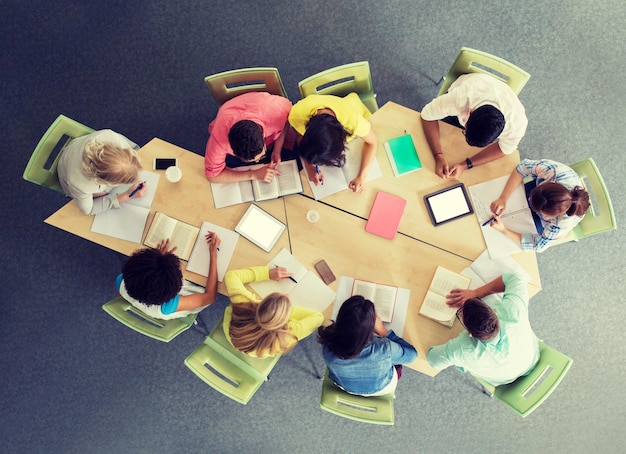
<point x="311" y="171"/>
<point x="278" y="146"/>
<point x="227" y="175"/>
<point x="401" y="351"/>
<point x="304" y="321"/>
<point x="457" y="297"/>
<point x="210" y="289"/>
<point x="431" y="131"/>
<point x="497" y="224"/>
<point x="368" y="154"/>
<point x="499" y="205"/>
<point x="490" y="153"/>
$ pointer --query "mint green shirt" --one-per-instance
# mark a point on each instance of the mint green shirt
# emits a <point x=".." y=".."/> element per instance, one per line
<point x="512" y="353"/>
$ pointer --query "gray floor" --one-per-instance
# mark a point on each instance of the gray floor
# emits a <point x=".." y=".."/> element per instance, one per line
<point x="76" y="381"/>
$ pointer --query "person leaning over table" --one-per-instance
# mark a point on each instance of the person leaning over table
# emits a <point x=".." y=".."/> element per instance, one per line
<point x="324" y="123"/>
<point x="91" y="165"/>
<point x="264" y="327"/>
<point x="362" y="356"/>
<point x="490" y="113"/>
<point x="558" y="200"/>
<point x="245" y="129"/>
<point x="152" y="281"/>
<point x="498" y="344"/>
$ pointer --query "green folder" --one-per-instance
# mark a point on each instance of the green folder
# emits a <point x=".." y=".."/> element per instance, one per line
<point x="402" y="155"/>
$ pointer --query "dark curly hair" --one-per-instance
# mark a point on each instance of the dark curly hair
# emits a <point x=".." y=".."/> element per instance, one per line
<point x="324" y="141"/>
<point x="246" y="139"/>
<point x="484" y="126"/>
<point x="152" y="277"/>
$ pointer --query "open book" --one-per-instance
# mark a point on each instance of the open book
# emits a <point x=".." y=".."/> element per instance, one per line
<point x="337" y="179"/>
<point x="434" y="305"/>
<point x="344" y="291"/>
<point x="383" y="296"/>
<point x="305" y="290"/>
<point x="517" y="216"/>
<point x="128" y="221"/>
<point x="182" y="235"/>
<point x="288" y="182"/>
<point x="402" y="155"/>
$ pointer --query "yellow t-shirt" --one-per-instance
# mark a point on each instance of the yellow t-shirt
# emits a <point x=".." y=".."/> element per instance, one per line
<point x="302" y="321"/>
<point x="350" y="111"/>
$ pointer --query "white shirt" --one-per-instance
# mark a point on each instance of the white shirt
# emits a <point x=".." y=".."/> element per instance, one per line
<point x="471" y="91"/>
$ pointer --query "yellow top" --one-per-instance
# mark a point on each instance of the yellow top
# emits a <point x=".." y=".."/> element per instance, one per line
<point x="302" y="321"/>
<point x="350" y="111"/>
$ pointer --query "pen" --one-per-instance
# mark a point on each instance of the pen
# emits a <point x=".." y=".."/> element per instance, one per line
<point x="488" y="221"/>
<point x="317" y="170"/>
<point x="135" y="190"/>
<point x="290" y="277"/>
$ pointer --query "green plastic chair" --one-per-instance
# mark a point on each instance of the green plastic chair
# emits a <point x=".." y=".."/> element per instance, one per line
<point x="341" y="80"/>
<point x="162" y="330"/>
<point x="226" y="369"/>
<point x="476" y="61"/>
<point x="600" y="216"/>
<point x="226" y="85"/>
<point x="372" y="410"/>
<point x="39" y="169"/>
<point x="526" y="393"/>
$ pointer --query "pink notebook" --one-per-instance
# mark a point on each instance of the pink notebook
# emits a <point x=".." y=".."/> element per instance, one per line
<point x="385" y="215"/>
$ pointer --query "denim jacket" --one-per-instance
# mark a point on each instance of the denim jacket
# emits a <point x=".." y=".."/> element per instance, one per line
<point x="372" y="370"/>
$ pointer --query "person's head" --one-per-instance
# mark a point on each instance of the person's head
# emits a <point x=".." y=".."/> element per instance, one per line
<point x="110" y="164"/>
<point x="353" y="329"/>
<point x="324" y="141"/>
<point x="246" y="139"/>
<point x="262" y="327"/>
<point x="152" y="277"/>
<point x="479" y="319"/>
<point x="484" y="126"/>
<point x="554" y="199"/>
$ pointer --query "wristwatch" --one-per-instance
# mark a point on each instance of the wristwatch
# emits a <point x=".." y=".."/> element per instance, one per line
<point x="469" y="163"/>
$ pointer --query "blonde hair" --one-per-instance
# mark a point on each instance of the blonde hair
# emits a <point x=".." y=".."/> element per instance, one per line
<point x="110" y="164"/>
<point x="262" y="327"/>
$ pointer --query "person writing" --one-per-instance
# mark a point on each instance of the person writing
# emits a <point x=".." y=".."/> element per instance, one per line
<point x="498" y="345"/>
<point x="558" y="199"/>
<point x="264" y="327"/>
<point x="91" y="166"/>
<point x="491" y="114"/>
<point x="362" y="356"/>
<point x="152" y="281"/>
<point x="249" y="128"/>
<point x="324" y="123"/>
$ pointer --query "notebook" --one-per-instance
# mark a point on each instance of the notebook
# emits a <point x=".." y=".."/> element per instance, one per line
<point x="402" y="155"/>
<point x="385" y="215"/>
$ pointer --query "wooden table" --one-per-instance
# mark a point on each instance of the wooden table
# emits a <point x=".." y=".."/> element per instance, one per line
<point x="189" y="200"/>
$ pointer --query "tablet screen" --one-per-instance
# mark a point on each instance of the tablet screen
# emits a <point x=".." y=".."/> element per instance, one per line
<point x="448" y="204"/>
<point x="260" y="227"/>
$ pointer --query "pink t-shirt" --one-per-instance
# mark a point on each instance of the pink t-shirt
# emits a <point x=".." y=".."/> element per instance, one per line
<point x="268" y="111"/>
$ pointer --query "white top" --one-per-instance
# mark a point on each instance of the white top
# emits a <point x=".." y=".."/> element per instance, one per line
<point x="76" y="184"/>
<point x="471" y="91"/>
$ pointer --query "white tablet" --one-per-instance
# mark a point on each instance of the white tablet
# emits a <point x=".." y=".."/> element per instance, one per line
<point x="448" y="204"/>
<point x="260" y="227"/>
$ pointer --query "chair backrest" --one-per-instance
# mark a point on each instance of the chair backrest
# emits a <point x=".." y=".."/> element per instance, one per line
<point x="341" y="80"/>
<point x="525" y="394"/>
<point x="226" y="85"/>
<point x="162" y="330"/>
<point x="226" y="369"/>
<point x="372" y="410"/>
<point x="42" y="166"/>
<point x="476" y="61"/>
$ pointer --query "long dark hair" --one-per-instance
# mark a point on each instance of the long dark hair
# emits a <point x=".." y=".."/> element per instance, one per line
<point x="324" y="141"/>
<point x="353" y="329"/>
<point x="555" y="199"/>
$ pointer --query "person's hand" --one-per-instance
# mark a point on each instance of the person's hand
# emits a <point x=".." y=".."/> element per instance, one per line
<point x="456" y="170"/>
<point x="314" y="177"/>
<point x="265" y="173"/>
<point x="357" y="185"/>
<point x="497" y="224"/>
<point x="457" y="297"/>
<point x="498" y="206"/>
<point x="140" y="192"/>
<point x="379" y="328"/>
<point x="163" y="247"/>
<point x="441" y="166"/>
<point x="213" y="241"/>
<point x="275" y="159"/>
<point x="279" y="272"/>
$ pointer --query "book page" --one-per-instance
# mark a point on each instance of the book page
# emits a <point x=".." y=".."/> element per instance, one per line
<point x="126" y="223"/>
<point x="334" y="181"/>
<point x="289" y="181"/>
<point x="183" y="238"/>
<point x="199" y="260"/>
<point x="435" y="307"/>
<point x="265" y="191"/>
<point x="226" y="194"/>
<point x="312" y="293"/>
<point x="161" y="228"/>
<point x="445" y="280"/>
<point x="385" y="300"/>
<point x="364" y="288"/>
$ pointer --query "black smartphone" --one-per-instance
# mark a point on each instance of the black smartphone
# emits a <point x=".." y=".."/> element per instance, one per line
<point x="325" y="272"/>
<point x="164" y="163"/>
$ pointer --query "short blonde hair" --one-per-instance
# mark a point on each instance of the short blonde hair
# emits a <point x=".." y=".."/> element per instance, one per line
<point x="110" y="164"/>
<point x="263" y="327"/>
